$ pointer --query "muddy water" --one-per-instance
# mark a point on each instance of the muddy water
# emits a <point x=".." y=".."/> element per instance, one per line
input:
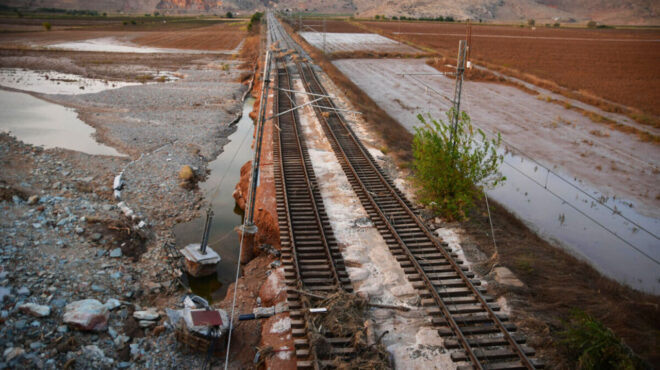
<point x="52" y="82"/>
<point x="39" y="122"/>
<point x="587" y="223"/>
<point x="218" y="189"/>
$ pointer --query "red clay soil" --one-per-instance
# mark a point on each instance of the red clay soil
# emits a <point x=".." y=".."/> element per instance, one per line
<point x="618" y="65"/>
<point x="217" y="37"/>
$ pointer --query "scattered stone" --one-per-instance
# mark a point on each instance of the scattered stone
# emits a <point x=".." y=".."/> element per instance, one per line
<point x="20" y="324"/>
<point x="58" y="302"/>
<point x="146" y="323"/>
<point x="121" y="340"/>
<point x="5" y="293"/>
<point x="115" y="253"/>
<point x="112" y="303"/>
<point x="62" y="329"/>
<point x="33" y="199"/>
<point x="146" y="315"/>
<point x="87" y="314"/>
<point x="13" y="352"/>
<point x="97" y="236"/>
<point x="35" y="309"/>
<point x="79" y="230"/>
<point x="23" y="291"/>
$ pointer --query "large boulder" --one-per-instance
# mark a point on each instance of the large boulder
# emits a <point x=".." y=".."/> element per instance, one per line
<point x="88" y="314"/>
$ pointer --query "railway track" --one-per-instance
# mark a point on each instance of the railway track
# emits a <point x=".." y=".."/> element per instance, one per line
<point x="310" y="254"/>
<point x="480" y="336"/>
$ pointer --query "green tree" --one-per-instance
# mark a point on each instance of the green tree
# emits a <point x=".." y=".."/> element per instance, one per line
<point x="46" y="25"/>
<point x="531" y="22"/>
<point x="229" y="15"/>
<point x="452" y="169"/>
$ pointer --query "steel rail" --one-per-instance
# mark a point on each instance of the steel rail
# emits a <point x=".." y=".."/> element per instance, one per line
<point x="307" y="72"/>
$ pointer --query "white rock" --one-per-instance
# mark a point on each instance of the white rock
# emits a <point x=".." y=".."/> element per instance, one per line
<point x="146" y="315"/>
<point x="34" y="309"/>
<point x="13" y="352"/>
<point x="112" y="303"/>
<point x="87" y="314"/>
<point x="146" y="323"/>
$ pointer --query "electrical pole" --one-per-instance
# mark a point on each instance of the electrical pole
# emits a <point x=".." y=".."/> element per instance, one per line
<point x="324" y="36"/>
<point x="249" y="227"/>
<point x="460" y="69"/>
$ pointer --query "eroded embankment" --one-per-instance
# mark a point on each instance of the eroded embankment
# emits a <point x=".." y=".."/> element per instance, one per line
<point x="65" y="238"/>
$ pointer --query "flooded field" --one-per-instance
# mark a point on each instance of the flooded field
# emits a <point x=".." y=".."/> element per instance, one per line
<point x="52" y="82"/>
<point x="113" y="45"/>
<point x="39" y="122"/>
<point x="355" y="42"/>
<point x="589" y="223"/>
<point x="218" y="189"/>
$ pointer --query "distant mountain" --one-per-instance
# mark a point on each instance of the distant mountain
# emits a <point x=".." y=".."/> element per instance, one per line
<point x="605" y="11"/>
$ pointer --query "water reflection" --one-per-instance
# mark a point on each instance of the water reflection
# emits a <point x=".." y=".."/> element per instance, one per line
<point x="218" y="189"/>
<point x="587" y="225"/>
<point x="39" y="122"/>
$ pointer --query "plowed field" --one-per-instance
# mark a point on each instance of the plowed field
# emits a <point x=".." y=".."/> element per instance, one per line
<point x="617" y="65"/>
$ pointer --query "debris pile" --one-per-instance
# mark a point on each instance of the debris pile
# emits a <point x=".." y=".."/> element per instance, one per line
<point x="346" y="317"/>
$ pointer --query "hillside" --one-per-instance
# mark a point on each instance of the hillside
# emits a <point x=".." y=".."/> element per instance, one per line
<point x="633" y="12"/>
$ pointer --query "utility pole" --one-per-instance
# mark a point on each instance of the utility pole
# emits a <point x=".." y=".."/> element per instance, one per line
<point x="249" y="227"/>
<point x="460" y="69"/>
<point x="324" y="36"/>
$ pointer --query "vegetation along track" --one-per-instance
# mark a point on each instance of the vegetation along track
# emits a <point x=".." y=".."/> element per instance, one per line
<point x="450" y="294"/>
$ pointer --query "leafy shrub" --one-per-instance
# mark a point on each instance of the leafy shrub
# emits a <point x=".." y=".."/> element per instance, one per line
<point x="449" y="175"/>
<point x="593" y="346"/>
<point x="449" y="19"/>
<point x="531" y="22"/>
<point x="592" y="24"/>
<point x="556" y="25"/>
<point x="229" y="15"/>
<point x="377" y="17"/>
<point x="256" y="17"/>
<point x="46" y="25"/>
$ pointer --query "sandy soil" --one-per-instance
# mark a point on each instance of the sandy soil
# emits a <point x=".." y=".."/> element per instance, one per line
<point x="338" y="42"/>
<point x="612" y="161"/>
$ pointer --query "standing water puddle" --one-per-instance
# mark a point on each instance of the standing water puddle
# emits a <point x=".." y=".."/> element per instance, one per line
<point x="586" y="223"/>
<point x="218" y="189"/>
<point x="51" y="82"/>
<point x="39" y="122"/>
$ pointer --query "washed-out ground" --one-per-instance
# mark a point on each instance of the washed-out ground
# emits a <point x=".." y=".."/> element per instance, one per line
<point x="63" y="235"/>
<point x="618" y="163"/>
<point x="373" y="270"/>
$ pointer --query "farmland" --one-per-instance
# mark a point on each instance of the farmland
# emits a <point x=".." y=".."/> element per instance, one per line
<point x="184" y="34"/>
<point x="617" y="65"/>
